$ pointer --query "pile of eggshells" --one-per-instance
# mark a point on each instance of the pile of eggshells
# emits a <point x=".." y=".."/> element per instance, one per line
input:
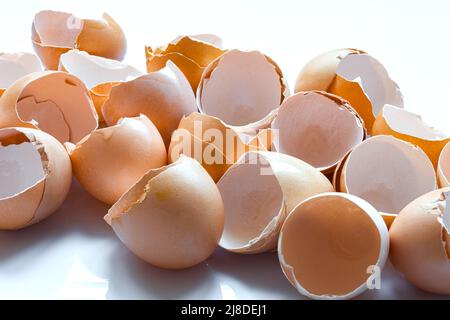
<point x="336" y="178"/>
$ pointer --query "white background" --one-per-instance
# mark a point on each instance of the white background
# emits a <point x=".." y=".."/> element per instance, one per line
<point x="74" y="254"/>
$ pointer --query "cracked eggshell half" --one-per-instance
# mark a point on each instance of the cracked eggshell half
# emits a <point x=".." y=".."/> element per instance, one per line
<point x="54" y="33"/>
<point x="212" y="143"/>
<point x="318" y="128"/>
<point x="355" y="76"/>
<point x="331" y="244"/>
<point x="98" y="74"/>
<point x="109" y="161"/>
<point x="388" y="173"/>
<point x="164" y="96"/>
<point x="410" y="127"/>
<point x="52" y="101"/>
<point x="14" y="66"/>
<point x="444" y="167"/>
<point x="420" y="242"/>
<point x="241" y="88"/>
<point x="191" y="54"/>
<point x="258" y="192"/>
<point x="35" y="177"/>
<point x="172" y="218"/>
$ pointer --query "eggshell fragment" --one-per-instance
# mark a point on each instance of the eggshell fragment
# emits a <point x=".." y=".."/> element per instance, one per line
<point x="55" y="33"/>
<point x="444" y="167"/>
<point x="318" y="128"/>
<point x="388" y="173"/>
<point x="164" y="96"/>
<point x="410" y="127"/>
<point x="14" y="66"/>
<point x="111" y="160"/>
<point x="330" y="244"/>
<point x="355" y="76"/>
<point x="241" y="88"/>
<point x="258" y="192"/>
<point x="98" y="73"/>
<point x="420" y="242"/>
<point x="35" y="177"/>
<point x="52" y="101"/>
<point x="172" y="218"/>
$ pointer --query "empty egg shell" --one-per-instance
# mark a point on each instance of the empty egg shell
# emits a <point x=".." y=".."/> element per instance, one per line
<point x="172" y="218"/>
<point x="35" y="176"/>
<point x="409" y="127"/>
<point x="318" y="128"/>
<point x="330" y="245"/>
<point x="444" y="167"/>
<point x="241" y="88"/>
<point x="164" y="96"/>
<point x="55" y="33"/>
<point x="52" y="101"/>
<point x="111" y="160"/>
<point x="420" y="242"/>
<point x="14" y="66"/>
<point x="388" y="173"/>
<point x="212" y="143"/>
<point x="190" y="53"/>
<point x="355" y="76"/>
<point x="258" y="192"/>
<point x="98" y="74"/>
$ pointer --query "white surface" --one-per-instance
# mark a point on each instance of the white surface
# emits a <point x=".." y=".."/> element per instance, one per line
<point x="74" y="254"/>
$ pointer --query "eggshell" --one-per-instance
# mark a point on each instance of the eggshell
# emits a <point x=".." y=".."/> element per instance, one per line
<point x="388" y="173"/>
<point x="420" y="242"/>
<point x="191" y="54"/>
<point x="241" y="88"/>
<point x="111" y="160"/>
<point x="318" y="128"/>
<point x="14" y="66"/>
<point x="35" y="177"/>
<point x="410" y="127"/>
<point x="98" y="74"/>
<point x="172" y="218"/>
<point x="164" y="96"/>
<point x="53" y="101"/>
<point x="355" y="76"/>
<point x="444" y="167"/>
<point x="329" y="244"/>
<point x="258" y="192"/>
<point x="54" y="33"/>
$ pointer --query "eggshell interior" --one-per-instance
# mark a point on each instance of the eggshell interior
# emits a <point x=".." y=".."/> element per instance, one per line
<point x="444" y="167"/>
<point x="14" y="66"/>
<point x="59" y="29"/>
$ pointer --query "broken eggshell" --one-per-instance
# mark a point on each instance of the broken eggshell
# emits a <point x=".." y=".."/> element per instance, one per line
<point x="98" y="74"/>
<point x="355" y="76"/>
<point x="191" y="54"/>
<point x="164" y="96"/>
<point x="111" y="160"/>
<point x="241" y="88"/>
<point x="172" y="218"/>
<point x="14" y="66"/>
<point x="55" y="33"/>
<point x="52" y="101"/>
<point x="331" y="244"/>
<point x="420" y="242"/>
<point x="410" y="127"/>
<point x="318" y="128"/>
<point x="258" y="192"/>
<point x="35" y="176"/>
<point x="444" y="167"/>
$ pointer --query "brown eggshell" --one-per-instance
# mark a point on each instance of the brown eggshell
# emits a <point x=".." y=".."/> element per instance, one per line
<point x="54" y="33"/>
<point x="14" y="66"/>
<point x="55" y="102"/>
<point x="444" y="167"/>
<point x="111" y="160"/>
<point x="172" y="218"/>
<point x="38" y="183"/>
<point x="258" y="192"/>
<point x="164" y="96"/>
<point x="420" y="242"/>
<point x="329" y="243"/>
